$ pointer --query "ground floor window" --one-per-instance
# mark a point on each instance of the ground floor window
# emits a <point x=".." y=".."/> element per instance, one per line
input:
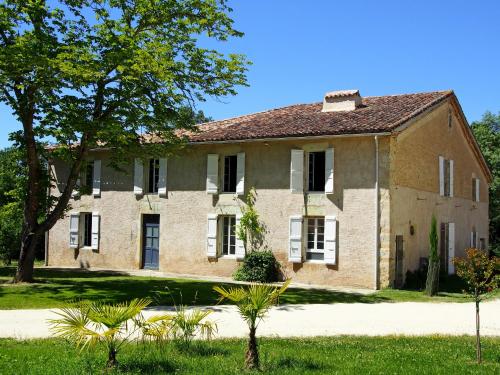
<point x="315" y="238"/>
<point x="86" y="219"/>
<point x="228" y="227"/>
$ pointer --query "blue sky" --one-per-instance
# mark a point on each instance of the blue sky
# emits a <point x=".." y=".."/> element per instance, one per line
<point x="301" y="49"/>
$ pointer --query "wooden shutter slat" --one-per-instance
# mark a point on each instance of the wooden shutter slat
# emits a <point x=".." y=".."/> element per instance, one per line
<point x="212" y="235"/>
<point x="212" y="173"/>
<point x="138" y="176"/>
<point x="329" y="171"/>
<point x="297" y="171"/>
<point x="330" y="240"/>
<point x="295" y="242"/>
<point x="240" y="174"/>
<point x="74" y="226"/>
<point x="162" y="178"/>
<point x="95" y="230"/>
<point x="96" y="179"/>
<point x="441" y="176"/>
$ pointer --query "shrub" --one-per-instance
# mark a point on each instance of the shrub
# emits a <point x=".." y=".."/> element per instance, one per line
<point x="259" y="266"/>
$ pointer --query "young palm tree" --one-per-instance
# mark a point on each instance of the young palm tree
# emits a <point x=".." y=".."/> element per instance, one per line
<point x="253" y="304"/>
<point x="92" y="323"/>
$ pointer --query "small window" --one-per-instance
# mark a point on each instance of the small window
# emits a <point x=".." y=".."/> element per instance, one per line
<point x="153" y="175"/>
<point x="316" y="170"/>
<point x="473" y="237"/>
<point x="482" y="244"/>
<point x="86" y="219"/>
<point x="447" y="178"/>
<point x="473" y="190"/>
<point x="230" y="164"/>
<point x="89" y="174"/>
<point x="315" y="249"/>
<point x="228" y="235"/>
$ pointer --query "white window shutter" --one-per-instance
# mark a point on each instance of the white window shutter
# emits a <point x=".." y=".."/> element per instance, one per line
<point x="471" y="242"/>
<point x="95" y="230"/>
<point x="96" y="179"/>
<point x="451" y="178"/>
<point x="295" y="243"/>
<point x="477" y="189"/>
<point x="240" y="245"/>
<point x="138" y="176"/>
<point x="74" y="226"/>
<point x="451" y="248"/>
<point x="329" y="165"/>
<point x="297" y="171"/>
<point x="212" y="236"/>
<point x="330" y="240"/>
<point x="441" y="176"/>
<point x="212" y="173"/>
<point x="240" y="174"/>
<point x="162" y="178"/>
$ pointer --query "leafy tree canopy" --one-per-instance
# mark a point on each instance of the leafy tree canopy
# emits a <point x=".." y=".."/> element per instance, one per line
<point x="87" y="73"/>
<point x="487" y="133"/>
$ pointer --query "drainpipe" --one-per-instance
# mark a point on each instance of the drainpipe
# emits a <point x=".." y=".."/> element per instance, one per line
<point x="377" y="221"/>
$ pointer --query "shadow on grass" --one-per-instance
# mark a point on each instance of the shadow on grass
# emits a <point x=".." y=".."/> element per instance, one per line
<point x="289" y="363"/>
<point x="146" y="365"/>
<point x="200" y="349"/>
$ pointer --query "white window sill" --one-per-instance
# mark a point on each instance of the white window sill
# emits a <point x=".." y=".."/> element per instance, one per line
<point x="85" y="248"/>
<point x="313" y="261"/>
<point x="227" y="257"/>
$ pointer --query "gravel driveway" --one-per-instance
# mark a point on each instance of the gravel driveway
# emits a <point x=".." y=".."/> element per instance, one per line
<point x="407" y="318"/>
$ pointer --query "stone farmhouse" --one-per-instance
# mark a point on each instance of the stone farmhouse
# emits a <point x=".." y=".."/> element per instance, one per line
<point x="346" y="188"/>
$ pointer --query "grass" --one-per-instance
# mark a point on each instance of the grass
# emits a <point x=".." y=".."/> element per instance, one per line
<point x="343" y="355"/>
<point x="56" y="287"/>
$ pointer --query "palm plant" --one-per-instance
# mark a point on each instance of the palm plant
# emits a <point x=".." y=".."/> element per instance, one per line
<point x="184" y="325"/>
<point x="89" y="324"/>
<point x="253" y="302"/>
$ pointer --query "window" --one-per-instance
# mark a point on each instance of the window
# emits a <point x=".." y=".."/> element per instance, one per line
<point x="475" y="189"/>
<point x="86" y="218"/>
<point x="482" y="244"/>
<point x="153" y="175"/>
<point x="316" y="170"/>
<point x="315" y="238"/>
<point x="230" y="165"/>
<point x="473" y="237"/>
<point x="446" y="178"/>
<point x="228" y="235"/>
<point x="89" y="174"/>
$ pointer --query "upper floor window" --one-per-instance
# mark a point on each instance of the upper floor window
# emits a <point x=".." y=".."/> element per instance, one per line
<point x="445" y="177"/>
<point x="315" y="249"/>
<point x="153" y="175"/>
<point x="475" y="189"/>
<point x="316" y="171"/>
<point x="230" y="169"/>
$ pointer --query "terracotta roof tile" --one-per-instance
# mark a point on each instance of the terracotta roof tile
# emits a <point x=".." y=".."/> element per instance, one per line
<point x="375" y="115"/>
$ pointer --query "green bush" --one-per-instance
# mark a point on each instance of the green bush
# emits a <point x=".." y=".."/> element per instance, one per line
<point x="259" y="266"/>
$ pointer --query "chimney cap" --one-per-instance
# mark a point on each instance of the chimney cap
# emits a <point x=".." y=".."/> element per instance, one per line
<point x="341" y="93"/>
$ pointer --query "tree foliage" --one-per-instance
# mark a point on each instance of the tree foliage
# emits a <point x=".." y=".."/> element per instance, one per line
<point x="89" y="73"/>
<point x="251" y="229"/>
<point x="487" y="133"/>
<point x="481" y="275"/>
<point x="432" y="282"/>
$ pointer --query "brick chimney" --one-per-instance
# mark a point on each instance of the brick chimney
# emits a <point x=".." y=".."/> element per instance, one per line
<point x="339" y="101"/>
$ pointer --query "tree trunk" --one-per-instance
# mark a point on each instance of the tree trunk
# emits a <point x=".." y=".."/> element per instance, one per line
<point x="478" y="338"/>
<point x="432" y="282"/>
<point x="252" y="356"/>
<point x="112" y="362"/>
<point x="25" y="265"/>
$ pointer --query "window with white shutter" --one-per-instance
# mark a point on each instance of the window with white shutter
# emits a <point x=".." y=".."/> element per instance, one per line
<point x="446" y="174"/>
<point x="316" y="171"/>
<point x="228" y="235"/>
<point x="240" y="174"/>
<point x="295" y="240"/>
<point x="153" y="177"/>
<point x="297" y="171"/>
<point x="329" y="170"/>
<point x="475" y="189"/>
<point x="138" y="176"/>
<point x="450" y="177"/>
<point x="330" y="240"/>
<point x="441" y="176"/>
<point x="212" y="173"/>
<point x="240" y="245"/>
<point x="315" y="244"/>
<point x="230" y="174"/>
<point x="96" y="178"/>
<point x="74" y="227"/>
<point x="95" y="229"/>
<point x="162" y="179"/>
<point x="212" y="236"/>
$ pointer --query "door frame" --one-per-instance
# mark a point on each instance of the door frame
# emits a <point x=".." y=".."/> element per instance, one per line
<point x="149" y="219"/>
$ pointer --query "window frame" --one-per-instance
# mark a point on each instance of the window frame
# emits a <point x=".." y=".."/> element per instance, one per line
<point x="223" y="246"/>
<point x="316" y="234"/>
<point x="227" y="176"/>
<point x="152" y="182"/>
<point x="314" y="188"/>
<point x="86" y="230"/>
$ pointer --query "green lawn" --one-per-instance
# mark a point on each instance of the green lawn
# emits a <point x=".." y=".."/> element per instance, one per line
<point x="55" y="287"/>
<point x="343" y="355"/>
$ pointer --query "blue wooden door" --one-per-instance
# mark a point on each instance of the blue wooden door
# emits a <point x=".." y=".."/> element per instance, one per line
<point x="151" y="243"/>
